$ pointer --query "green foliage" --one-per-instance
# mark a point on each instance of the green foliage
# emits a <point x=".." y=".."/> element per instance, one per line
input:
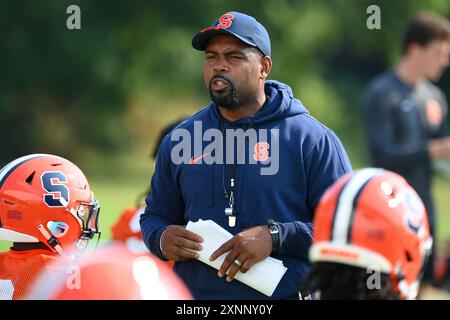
<point x="67" y="92"/>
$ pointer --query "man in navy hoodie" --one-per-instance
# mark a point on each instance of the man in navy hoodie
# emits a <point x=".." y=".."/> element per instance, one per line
<point x="253" y="161"/>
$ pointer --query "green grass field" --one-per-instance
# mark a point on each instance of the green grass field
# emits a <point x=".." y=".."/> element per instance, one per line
<point x="441" y="192"/>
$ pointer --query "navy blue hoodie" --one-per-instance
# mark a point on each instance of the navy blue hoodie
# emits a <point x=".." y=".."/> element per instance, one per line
<point x="311" y="158"/>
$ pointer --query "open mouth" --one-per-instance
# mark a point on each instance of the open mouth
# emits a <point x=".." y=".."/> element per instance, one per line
<point x="219" y="84"/>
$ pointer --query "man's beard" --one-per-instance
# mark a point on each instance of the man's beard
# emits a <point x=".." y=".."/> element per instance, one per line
<point x="228" y="99"/>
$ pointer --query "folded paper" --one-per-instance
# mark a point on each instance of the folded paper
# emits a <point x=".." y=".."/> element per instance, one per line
<point x="264" y="276"/>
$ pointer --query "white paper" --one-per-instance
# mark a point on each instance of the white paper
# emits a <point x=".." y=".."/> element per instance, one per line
<point x="264" y="276"/>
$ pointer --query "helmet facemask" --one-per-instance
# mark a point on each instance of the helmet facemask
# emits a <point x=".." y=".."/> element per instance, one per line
<point x="87" y="215"/>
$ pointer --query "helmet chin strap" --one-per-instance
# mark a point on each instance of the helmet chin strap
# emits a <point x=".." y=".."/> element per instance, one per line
<point x="51" y="240"/>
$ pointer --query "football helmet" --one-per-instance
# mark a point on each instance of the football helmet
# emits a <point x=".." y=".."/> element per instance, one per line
<point x="46" y="198"/>
<point x="126" y="229"/>
<point x="112" y="273"/>
<point x="374" y="218"/>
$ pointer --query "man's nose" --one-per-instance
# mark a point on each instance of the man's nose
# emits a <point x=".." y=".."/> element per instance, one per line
<point x="220" y="66"/>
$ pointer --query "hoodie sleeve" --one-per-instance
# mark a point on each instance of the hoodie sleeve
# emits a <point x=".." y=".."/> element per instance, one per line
<point x="165" y="205"/>
<point x="324" y="164"/>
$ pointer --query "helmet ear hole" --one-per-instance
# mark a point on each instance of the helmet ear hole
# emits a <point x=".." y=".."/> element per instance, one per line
<point x="408" y="256"/>
<point x="58" y="228"/>
<point x="29" y="180"/>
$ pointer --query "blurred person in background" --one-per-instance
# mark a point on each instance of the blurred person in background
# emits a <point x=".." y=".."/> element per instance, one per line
<point x="405" y="114"/>
<point x="126" y="229"/>
<point x="371" y="239"/>
<point x="49" y="213"/>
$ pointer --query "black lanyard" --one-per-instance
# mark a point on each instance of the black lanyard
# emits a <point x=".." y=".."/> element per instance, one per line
<point x="229" y="194"/>
<point x="230" y="211"/>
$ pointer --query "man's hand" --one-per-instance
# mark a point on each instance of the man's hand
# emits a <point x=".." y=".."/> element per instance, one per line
<point x="439" y="149"/>
<point x="176" y="241"/>
<point x="248" y="247"/>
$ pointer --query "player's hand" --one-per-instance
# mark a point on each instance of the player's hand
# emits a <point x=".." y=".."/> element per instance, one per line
<point x="247" y="247"/>
<point x="439" y="149"/>
<point x="177" y="243"/>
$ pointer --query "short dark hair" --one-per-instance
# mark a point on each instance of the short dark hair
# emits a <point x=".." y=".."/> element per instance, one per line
<point x="424" y="28"/>
<point x="337" y="281"/>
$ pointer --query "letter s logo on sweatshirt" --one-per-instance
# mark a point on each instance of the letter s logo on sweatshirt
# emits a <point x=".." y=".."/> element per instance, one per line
<point x="261" y="151"/>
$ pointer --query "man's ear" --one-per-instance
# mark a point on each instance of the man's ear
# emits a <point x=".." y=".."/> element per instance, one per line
<point x="414" y="48"/>
<point x="266" y="66"/>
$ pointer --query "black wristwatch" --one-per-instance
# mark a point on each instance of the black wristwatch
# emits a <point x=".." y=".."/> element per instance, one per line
<point x="275" y="233"/>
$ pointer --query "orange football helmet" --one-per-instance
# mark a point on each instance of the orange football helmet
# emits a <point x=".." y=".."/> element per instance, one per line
<point x="113" y="273"/>
<point x="127" y="229"/>
<point x="374" y="218"/>
<point x="46" y="198"/>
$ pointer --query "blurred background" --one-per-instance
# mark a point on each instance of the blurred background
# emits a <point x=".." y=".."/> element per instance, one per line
<point x="100" y="95"/>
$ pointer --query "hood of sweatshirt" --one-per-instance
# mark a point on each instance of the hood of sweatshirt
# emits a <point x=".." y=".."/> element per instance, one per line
<point x="281" y="104"/>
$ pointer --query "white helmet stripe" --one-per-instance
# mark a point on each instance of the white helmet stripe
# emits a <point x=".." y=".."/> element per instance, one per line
<point x="344" y="207"/>
<point x="9" y="168"/>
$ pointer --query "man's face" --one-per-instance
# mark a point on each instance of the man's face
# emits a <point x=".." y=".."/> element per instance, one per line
<point x="434" y="59"/>
<point x="232" y="71"/>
